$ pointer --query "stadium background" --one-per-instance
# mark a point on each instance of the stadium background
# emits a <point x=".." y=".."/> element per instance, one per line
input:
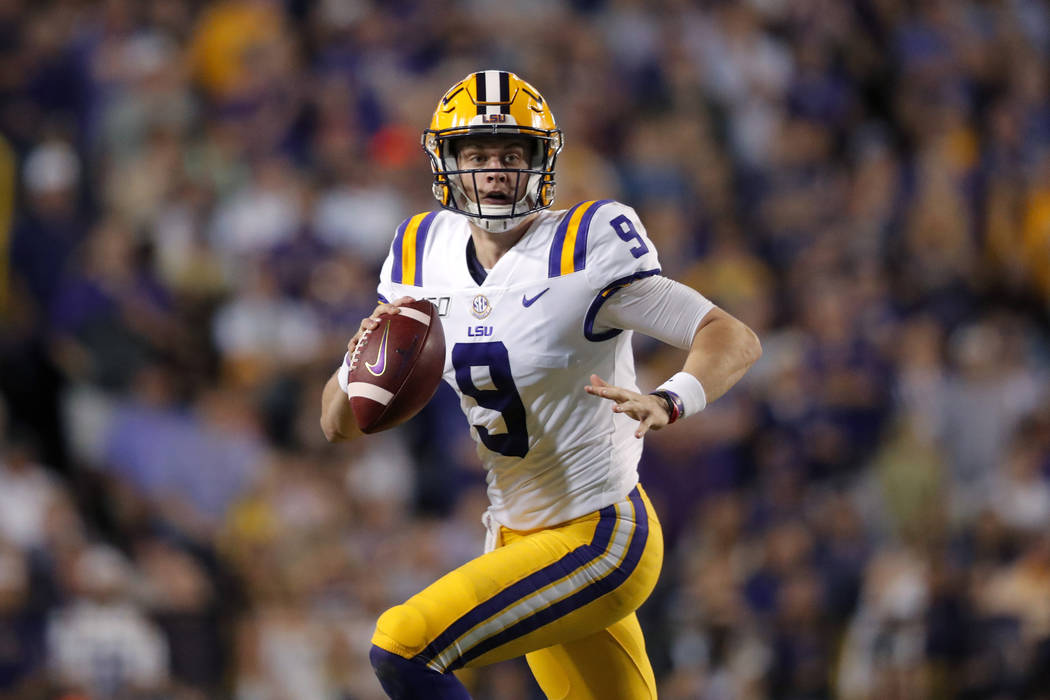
<point x="195" y="200"/>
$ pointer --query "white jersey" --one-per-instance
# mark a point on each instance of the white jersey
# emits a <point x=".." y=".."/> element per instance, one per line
<point x="521" y="346"/>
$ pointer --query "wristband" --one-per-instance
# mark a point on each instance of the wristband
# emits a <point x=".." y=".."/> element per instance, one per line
<point x="688" y="390"/>
<point x="343" y="376"/>
<point x="674" y="404"/>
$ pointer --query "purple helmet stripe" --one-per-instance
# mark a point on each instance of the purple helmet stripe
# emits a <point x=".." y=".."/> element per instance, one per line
<point x="479" y="91"/>
<point x="504" y="92"/>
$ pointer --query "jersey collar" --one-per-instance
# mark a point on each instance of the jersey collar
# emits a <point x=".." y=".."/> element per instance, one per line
<point x="473" y="264"/>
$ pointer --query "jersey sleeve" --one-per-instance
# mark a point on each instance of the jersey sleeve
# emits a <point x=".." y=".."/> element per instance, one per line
<point x="404" y="263"/>
<point x="618" y="248"/>
<point x="385" y="290"/>
<point x="656" y="306"/>
<point x="606" y="241"/>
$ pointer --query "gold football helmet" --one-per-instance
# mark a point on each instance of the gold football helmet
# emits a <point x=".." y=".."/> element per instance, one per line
<point x="493" y="102"/>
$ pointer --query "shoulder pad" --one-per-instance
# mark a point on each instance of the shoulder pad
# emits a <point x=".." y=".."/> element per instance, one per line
<point x="407" y="249"/>
<point x="568" y="252"/>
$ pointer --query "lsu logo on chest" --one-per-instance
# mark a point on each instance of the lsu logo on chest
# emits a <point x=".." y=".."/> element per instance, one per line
<point x="480" y="307"/>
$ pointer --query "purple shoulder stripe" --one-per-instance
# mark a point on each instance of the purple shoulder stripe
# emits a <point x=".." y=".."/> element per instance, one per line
<point x="579" y="252"/>
<point x="421" y="242"/>
<point x="554" y="262"/>
<point x="395" y="271"/>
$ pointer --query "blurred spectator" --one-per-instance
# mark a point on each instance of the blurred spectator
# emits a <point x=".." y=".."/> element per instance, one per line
<point x="111" y="316"/>
<point x="1019" y="492"/>
<point x="885" y="647"/>
<point x="181" y="599"/>
<point x="225" y="38"/>
<point x="991" y="390"/>
<point x="357" y="216"/>
<point x="101" y="642"/>
<point x="28" y="493"/>
<point x="260" y="330"/>
<point x="22" y="650"/>
<point x="183" y="467"/>
<point x="262" y="214"/>
<point x="46" y="235"/>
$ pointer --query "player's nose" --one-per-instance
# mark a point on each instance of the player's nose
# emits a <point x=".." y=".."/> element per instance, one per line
<point x="498" y="175"/>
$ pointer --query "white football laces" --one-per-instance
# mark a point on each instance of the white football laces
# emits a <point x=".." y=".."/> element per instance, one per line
<point x="357" y="348"/>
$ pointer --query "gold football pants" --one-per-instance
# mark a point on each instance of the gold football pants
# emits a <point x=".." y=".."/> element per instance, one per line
<point x="565" y="597"/>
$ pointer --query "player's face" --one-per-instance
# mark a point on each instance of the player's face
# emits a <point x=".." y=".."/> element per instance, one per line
<point x="498" y="157"/>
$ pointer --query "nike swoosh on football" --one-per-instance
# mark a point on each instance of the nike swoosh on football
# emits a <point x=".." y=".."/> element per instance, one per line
<point x="379" y="366"/>
<point x="526" y="302"/>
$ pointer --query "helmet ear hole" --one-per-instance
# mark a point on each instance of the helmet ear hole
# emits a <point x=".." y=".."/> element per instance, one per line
<point x="547" y="194"/>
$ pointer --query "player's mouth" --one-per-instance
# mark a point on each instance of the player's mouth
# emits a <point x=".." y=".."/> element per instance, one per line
<point x="496" y="198"/>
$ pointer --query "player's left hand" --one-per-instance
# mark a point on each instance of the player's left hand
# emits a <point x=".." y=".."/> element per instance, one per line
<point x="650" y="411"/>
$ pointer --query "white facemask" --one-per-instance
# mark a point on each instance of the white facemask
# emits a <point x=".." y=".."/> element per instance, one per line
<point x="489" y="210"/>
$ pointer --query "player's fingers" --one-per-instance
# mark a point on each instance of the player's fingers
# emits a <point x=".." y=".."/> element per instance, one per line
<point x="391" y="307"/>
<point x="596" y="383"/>
<point x="633" y="408"/>
<point x="599" y="387"/>
<point x="643" y="426"/>
<point x="613" y="393"/>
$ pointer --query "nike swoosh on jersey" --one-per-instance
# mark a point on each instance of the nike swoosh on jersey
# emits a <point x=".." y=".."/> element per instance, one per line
<point x="526" y="302"/>
<point x="379" y="366"/>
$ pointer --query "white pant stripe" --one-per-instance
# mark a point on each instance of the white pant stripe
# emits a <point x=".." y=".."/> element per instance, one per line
<point x="593" y="571"/>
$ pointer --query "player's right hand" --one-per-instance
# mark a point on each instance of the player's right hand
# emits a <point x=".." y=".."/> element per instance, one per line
<point x="372" y="321"/>
<point x="650" y="411"/>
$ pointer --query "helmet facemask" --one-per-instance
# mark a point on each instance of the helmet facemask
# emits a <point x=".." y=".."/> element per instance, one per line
<point x="458" y="188"/>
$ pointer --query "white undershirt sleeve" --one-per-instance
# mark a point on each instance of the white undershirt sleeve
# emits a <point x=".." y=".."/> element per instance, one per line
<point x="658" y="307"/>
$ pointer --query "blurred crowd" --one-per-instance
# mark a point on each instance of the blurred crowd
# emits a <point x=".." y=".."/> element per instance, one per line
<point x="195" y="198"/>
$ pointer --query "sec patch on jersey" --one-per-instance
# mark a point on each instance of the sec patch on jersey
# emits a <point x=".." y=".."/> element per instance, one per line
<point x="396" y="367"/>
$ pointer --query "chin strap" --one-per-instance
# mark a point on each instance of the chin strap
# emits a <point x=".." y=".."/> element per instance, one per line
<point x="496" y="225"/>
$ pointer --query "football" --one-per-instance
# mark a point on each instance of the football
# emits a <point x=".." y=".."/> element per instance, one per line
<point x="396" y="367"/>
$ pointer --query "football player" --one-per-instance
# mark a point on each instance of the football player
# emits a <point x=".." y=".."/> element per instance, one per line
<point x="538" y="307"/>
